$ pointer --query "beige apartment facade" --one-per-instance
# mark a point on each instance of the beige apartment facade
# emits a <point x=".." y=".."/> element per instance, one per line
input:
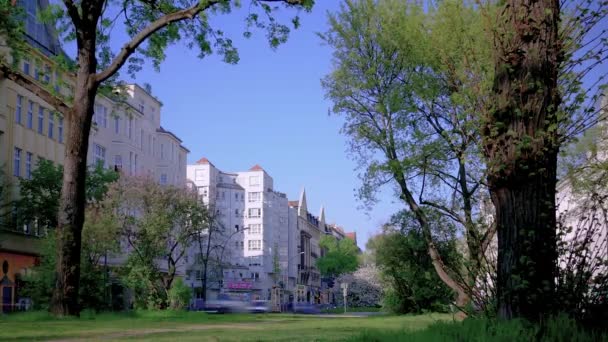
<point x="126" y="135"/>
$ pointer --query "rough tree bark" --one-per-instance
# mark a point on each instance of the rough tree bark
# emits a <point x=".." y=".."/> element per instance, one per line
<point x="71" y="205"/>
<point x="521" y="144"/>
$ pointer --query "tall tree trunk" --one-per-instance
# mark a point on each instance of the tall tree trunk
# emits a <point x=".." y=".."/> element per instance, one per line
<point x="521" y="144"/>
<point x="527" y="254"/>
<point x="462" y="297"/>
<point x="72" y="203"/>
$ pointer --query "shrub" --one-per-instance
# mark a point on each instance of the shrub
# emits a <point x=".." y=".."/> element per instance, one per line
<point x="179" y="295"/>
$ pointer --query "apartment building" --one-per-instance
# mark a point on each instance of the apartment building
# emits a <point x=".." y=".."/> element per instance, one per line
<point x="266" y="242"/>
<point x="310" y="228"/>
<point x="126" y="135"/>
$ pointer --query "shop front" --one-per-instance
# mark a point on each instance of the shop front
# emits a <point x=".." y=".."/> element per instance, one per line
<point x="241" y="290"/>
<point x="13" y="268"/>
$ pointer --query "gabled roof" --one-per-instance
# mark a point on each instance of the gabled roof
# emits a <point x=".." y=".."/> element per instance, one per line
<point x="256" y="167"/>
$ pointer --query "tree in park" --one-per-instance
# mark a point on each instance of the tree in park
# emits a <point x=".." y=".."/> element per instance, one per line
<point x="364" y="288"/>
<point x="212" y="245"/>
<point x="36" y="209"/>
<point x="407" y="81"/>
<point x="428" y="98"/>
<point x="152" y="26"/>
<point x="340" y="256"/>
<point x="159" y="223"/>
<point x="39" y="194"/>
<point x="410" y="283"/>
<point x="545" y="88"/>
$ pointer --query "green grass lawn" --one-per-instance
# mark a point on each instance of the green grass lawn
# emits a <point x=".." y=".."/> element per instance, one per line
<point x="195" y="326"/>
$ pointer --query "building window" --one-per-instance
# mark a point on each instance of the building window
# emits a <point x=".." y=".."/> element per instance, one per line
<point x="163" y="179"/>
<point x="236" y="227"/>
<point x="130" y="128"/>
<point x="254" y="245"/>
<point x="141" y="139"/>
<point x="118" y="162"/>
<point x="104" y="117"/>
<point x="162" y="151"/>
<point x="57" y="80"/>
<point x="236" y="214"/>
<point x="47" y="74"/>
<point x="40" y="120"/>
<point x="254" y="180"/>
<point x="223" y="195"/>
<point x="135" y="164"/>
<point x="100" y="155"/>
<point x="60" y="130"/>
<point x="199" y="175"/>
<point x="255" y="228"/>
<point x="100" y="116"/>
<point x="255" y="212"/>
<point x="116" y="125"/>
<point x="131" y="163"/>
<point x="26" y="67"/>
<point x="253" y="196"/>
<point x="141" y="107"/>
<point x="28" y="165"/>
<point x="36" y="72"/>
<point x="203" y="190"/>
<point x="30" y="115"/>
<point x="51" y="124"/>
<point x="18" y="109"/>
<point x="17" y="163"/>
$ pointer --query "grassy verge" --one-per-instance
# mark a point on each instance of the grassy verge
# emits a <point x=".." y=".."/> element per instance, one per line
<point x="196" y="326"/>
<point x="477" y="330"/>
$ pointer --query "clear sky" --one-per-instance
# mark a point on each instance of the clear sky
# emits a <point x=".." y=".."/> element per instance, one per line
<point x="268" y="110"/>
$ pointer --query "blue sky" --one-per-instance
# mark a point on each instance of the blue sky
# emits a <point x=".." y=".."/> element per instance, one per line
<point x="268" y="110"/>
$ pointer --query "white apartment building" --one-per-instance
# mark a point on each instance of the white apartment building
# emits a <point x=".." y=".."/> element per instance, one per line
<point x="260" y="245"/>
<point x="127" y="135"/>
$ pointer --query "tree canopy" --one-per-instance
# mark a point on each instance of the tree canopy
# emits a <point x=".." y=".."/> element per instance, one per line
<point x="339" y="257"/>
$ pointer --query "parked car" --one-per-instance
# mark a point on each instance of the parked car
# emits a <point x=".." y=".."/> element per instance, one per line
<point x="259" y="306"/>
<point x="306" y="308"/>
<point x="225" y="306"/>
